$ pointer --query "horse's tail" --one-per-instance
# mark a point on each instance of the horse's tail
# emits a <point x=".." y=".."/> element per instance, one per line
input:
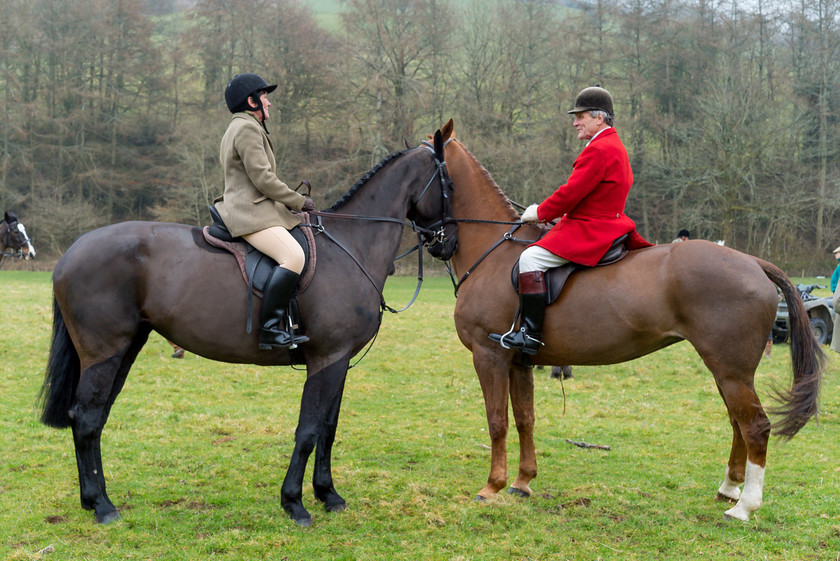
<point x="62" y="376"/>
<point x="801" y="402"/>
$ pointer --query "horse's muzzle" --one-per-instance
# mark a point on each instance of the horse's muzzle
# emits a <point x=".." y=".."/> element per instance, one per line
<point x="444" y="245"/>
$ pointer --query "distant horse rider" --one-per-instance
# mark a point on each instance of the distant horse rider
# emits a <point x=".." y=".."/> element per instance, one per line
<point x="256" y="203"/>
<point x="682" y="236"/>
<point x="590" y="208"/>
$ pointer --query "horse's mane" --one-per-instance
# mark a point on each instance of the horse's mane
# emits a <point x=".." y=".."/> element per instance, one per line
<point x="492" y="182"/>
<point x="355" y="188"/>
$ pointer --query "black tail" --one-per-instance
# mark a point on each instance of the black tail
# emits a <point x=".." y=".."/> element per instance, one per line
<point x="62" y="376"/>
<point x="801" y="402"/>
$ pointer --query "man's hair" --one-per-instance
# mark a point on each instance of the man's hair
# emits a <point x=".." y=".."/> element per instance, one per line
<point x="608" y="119"/>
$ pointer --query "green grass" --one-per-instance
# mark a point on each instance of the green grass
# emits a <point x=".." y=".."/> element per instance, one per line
<point x="195" y="453"/>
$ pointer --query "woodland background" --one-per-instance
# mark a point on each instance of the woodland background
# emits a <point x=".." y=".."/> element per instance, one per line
<point x="113" y="109"/>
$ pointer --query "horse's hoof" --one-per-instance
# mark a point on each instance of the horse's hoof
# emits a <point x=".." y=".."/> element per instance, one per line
<point x="109" y="517"/>
<point x="518" y="492"/>
<point x="480" y="499"/>
<point x="304" y="522"/>
<point x="723" y="498"/>
<point x="336" y="507"/>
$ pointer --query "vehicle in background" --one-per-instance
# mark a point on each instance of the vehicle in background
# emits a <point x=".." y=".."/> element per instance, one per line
<point x="819" y="310"/>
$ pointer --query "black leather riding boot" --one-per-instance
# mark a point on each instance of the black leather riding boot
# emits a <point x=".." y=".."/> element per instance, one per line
<point x="532" y="296"/>
<point x="275" y="330"/>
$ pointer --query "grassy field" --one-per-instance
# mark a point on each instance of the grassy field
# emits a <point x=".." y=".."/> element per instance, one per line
<point x="195" y="452"/>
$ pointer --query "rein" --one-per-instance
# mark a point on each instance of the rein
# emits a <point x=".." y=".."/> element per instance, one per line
<point x="318" y="227"/>
<point x="508" y="236"/>
<point x="420" y="231"/>
<point x="433" y="235"/>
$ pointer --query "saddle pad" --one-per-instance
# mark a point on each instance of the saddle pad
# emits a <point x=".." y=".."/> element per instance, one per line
<point x="239" y="250"/>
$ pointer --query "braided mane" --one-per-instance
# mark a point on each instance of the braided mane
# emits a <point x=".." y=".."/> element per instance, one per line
<point x="359" y="184"/>
<point x="492" y="182"/>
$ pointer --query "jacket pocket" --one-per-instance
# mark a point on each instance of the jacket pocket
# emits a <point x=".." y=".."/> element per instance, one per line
<point x="259" y="200"/>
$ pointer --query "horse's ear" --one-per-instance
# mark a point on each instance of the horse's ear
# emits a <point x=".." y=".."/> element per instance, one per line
<point x="448" y="130"/>
<point x="439" y="146"/>
<point x="408" y="145"/>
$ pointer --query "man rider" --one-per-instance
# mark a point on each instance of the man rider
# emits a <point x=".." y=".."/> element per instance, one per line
<point x="590" y="209"/>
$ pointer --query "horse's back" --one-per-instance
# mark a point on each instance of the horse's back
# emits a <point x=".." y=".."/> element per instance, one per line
<point x="660" y="295"/>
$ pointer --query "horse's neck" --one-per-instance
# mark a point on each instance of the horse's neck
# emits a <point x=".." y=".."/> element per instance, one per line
<point x="374" y="242"/>
<point x="486" y="213"/>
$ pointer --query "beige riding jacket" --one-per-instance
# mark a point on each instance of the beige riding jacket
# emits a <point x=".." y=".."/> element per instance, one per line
<point x="254" y="197"/>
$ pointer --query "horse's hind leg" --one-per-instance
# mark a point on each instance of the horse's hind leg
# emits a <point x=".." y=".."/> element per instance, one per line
<point x="751" y="432"/>
<point x="319" y="407"/>
<point x="522" y="402"/>
<point x="734" y="475"/>
<point x="98" y="387"/>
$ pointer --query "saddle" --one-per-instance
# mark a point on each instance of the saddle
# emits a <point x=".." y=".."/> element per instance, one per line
<point x="555" y="279"/>
<point x="256" y="266"/>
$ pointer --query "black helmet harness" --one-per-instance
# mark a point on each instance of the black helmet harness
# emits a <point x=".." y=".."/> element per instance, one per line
<point x="243" y="86"/>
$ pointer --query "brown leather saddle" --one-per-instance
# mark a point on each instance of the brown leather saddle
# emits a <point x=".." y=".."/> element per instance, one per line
<point x="255" y="266"/>
<point x="555" y="279"/>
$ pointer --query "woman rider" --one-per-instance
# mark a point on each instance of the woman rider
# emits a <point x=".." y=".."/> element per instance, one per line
<point x="257" y="205"/>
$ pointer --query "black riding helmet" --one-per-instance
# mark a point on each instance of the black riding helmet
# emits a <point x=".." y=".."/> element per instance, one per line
<point x="593" y="98"/>
<point x="241" y="87"/>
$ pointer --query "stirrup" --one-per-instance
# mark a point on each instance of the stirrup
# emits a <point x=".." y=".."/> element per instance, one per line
<point x="524" y="346"/>
<point x="288" y="338"/>
<point x="500" y="339"/>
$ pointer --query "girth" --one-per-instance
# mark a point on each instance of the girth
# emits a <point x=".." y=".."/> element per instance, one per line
<point x="555" y="279"/>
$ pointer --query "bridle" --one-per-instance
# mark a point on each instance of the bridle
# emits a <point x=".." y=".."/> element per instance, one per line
<point x="426" y="236"/>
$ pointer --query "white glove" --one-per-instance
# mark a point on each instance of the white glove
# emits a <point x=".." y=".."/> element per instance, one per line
<point x="530" y="214"/>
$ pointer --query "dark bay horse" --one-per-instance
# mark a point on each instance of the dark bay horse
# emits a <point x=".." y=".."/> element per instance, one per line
<point x="720" y="300"/>
<point x="116" y="284"/>
<point x="14" y="242"/>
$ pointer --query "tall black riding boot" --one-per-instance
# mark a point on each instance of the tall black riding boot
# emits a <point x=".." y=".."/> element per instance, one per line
<point x="275" y="331"/>
<point x="532" y="296"/>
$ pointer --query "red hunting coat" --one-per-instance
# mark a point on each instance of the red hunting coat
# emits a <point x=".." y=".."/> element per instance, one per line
<point x="591" y="204"/>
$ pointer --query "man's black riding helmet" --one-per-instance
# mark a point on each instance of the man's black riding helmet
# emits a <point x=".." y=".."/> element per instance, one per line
<point x="242" y="86"/>
<point x="593" y="98"/>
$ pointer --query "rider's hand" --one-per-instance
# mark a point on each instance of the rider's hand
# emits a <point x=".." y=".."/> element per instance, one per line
<point x="530" y="214"/>
<point x="308" y="205"/>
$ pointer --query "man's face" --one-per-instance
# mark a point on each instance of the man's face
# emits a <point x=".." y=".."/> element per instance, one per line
<point x="586" y="126"/>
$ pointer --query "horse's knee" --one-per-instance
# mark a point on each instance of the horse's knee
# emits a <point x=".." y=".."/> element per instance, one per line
<point x="498" y="428"/>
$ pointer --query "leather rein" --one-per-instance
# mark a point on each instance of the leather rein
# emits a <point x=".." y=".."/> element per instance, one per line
<point x="433" y="234"/>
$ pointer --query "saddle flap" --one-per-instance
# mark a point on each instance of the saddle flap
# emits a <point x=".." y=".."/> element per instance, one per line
<point x="555" y="279"/>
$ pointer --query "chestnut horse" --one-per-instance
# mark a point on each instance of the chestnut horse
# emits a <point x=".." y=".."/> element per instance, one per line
<point x="116" y="284"/>
<point x="720" y="300"/>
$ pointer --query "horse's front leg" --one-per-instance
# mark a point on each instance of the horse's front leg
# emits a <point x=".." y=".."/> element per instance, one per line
<point x="522" y="402"/>
<point x="322" y="480"/>
<point x="319" y="408"/>
<point x="492" y="366"/>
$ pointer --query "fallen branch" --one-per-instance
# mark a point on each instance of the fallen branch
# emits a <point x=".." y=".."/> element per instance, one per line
<point x="587" y="445"/>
